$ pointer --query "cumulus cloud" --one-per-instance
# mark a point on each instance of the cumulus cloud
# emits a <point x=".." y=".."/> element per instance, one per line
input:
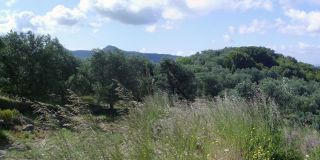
<point x="59" y="15"/>
<point x="298" y="22"/>
<point x="59" y="18"/>
<point x="129" y="11"/>
<point x="146" y="12"/>
<point x="302" y="22"/>
<point x="160" y="13"/>
<point x="17" y="21"/>
<point x="256" y="26"/>
<point x="85" y="5"/>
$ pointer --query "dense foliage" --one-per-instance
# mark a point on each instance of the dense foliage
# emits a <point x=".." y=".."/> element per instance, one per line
<point x="248" y="71"/>
<point x="34" y="66"/>
<point x="39" y="67"/>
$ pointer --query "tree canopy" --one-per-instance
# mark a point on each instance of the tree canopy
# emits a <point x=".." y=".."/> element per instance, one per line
<point x="34" y="66"/>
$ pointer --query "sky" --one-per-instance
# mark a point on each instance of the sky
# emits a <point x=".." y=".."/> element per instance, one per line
<point x="180" y="27"/>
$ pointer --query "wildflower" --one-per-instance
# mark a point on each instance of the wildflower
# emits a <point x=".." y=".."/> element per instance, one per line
<point x="307" y="156"/>
<point x="226" y="150"/>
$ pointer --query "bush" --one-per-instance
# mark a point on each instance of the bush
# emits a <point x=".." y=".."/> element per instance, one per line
<point x="3" y="138"/>
<point x="315" y="154"/>
<point x="9" y="116"/>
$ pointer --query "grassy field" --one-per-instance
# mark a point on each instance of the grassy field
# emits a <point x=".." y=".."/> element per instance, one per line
<point x="165" y="128"/>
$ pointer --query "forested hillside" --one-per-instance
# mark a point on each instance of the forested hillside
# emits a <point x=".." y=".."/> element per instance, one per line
<point x="36" y="70"/>
<point x="248" y="71"/>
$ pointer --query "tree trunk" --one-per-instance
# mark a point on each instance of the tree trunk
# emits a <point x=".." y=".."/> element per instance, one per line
<point x="63" y="97"/>
<point x="111" y="106"/>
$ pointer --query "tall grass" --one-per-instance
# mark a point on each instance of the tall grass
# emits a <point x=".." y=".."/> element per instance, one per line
<point x="165" y="128"/>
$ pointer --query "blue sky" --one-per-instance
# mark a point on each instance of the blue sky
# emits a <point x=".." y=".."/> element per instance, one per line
<point x="180" y="27"/>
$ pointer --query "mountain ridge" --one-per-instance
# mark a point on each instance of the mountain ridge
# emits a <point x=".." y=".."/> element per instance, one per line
<point x="154" y="57"/>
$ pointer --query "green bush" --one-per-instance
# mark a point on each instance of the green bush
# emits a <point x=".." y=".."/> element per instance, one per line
<point x="8" y="114"/>
<point x="88" y="99"/>
<point x="315" y="154"/>
<point x="3" y="138"/>
<point x="9" y="117"/>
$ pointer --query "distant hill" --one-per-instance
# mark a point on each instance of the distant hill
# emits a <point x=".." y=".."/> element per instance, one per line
<point x="154" y="57"/>
<point x="83" y="54"/>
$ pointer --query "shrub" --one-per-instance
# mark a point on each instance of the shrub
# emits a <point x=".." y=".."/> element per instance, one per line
<point x="3" y="138"/>
<point x="9" y="116"/>
<point x="315" y="154"/>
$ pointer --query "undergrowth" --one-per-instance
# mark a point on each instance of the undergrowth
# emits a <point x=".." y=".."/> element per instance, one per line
<point x="165" y="128"/>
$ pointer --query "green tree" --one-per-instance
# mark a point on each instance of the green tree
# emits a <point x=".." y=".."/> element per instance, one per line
<point x="178" y="80"/>
<point x="35" y="66"/>
<point x="81" y="81"/>
<point x="246" y="89"/>
<point x="143" y="76"/>
<point x="110" y="69"/>
<point x="210" y="84"/>
<point x="261" y="55"/>
<point x="238" y="60"/>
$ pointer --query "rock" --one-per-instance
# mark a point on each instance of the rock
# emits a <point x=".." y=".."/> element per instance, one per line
<point x="67" y="125"/>
<point x="28" y="127"/>
<point x="18" y="146"/>
<point x="2" y="154"/>
<point x="26" y="120"/>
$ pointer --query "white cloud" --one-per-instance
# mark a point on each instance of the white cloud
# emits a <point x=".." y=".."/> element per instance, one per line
<point x="65" y="16"/>
<point x="227" y="39"/>
<point x="9" y="3"/>
<point x="210" y="5"/>
<point x="98" y="23"/>
<point x="130" y="11"/>
<point x="143" y="50"/>
<point x="168" y="25"/>
<point x="151" y="28"/>
<point x="155" y="13"/>
<point x="304" y="52"/>
<point x="231" y="29"/>
<point x="85" y="5"/>
<point x="59" y="18"/>
<point x="256" y="26"/>
<point x="16" y="21"/>
<point x="172" y="14"/>
<point x="146" y="12"/>
<point x="303" y="46"/>
<point x="185" y="53"/>
<point x="302" y="22"/>
<point x="288" y="4"/>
